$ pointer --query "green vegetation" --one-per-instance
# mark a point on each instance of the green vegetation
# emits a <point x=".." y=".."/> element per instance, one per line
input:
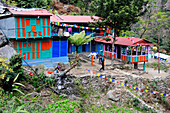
<point x="40" y="81"/>
<point x="155" y="66"/>
<point x="78" y="39"/>
<point x="30" y="3"/>
<point x="64" y="106"/>
<point x="118" y="14"/>
<point x="9" y="72"/>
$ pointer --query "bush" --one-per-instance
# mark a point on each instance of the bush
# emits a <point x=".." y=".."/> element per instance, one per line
<point x="39" y="81"/>
<point x="7" y="75"/>
<point x="16" y="64"/>
<point x="9" y="71"/>
<point x="136" y="102"/>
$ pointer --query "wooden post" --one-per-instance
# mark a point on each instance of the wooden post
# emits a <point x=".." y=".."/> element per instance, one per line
<point x="148" y="50"/>
<point x="135" y="65"/>
<point x="116" y="50"/>
<point x="92" y="60"/>
<point x="144" y="66"/>
<point x="90" y="46"/>
<point x="158" y="52"/>
<point x="126" y="51"/>
<point x="131" y="50"/>
<point x="120" y="50"/>
<point x="69" y="47"/>
<point x="145" y="50"/>
<point x="104" y="48"/>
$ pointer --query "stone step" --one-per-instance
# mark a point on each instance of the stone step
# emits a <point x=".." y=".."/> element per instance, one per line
<point x="118" y="89"/>
<point x="118" y="92"/>
<point x="120" y="78"/>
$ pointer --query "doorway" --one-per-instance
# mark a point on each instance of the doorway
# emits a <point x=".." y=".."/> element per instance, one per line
<point x="118" y="52"/>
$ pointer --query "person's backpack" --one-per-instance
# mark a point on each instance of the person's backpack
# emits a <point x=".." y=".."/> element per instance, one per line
<point x="102" y="59"/>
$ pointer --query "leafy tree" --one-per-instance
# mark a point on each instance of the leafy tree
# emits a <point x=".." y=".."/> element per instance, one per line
<point x="30" y="3"/>
<point x="78" y="39"/>
<point x="154" y="21"/>
<point x="166" y="45"/>
<point x="151" y="25"/>
<point x="119" y="14"/>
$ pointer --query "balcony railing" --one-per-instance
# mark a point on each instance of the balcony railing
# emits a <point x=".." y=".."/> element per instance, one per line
<point x="134" y="58"/>
<point x="108" y="54"/>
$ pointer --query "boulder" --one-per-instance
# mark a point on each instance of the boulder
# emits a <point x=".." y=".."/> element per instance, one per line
<point x="7" y="52"/>
<point x="167" y="103"/>
<point x="113" y="96"/>
<point x="63" y="66"/>
<point x="3" y="40"/>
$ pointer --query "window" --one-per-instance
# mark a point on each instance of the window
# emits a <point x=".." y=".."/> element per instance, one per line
<point x="44" y="46"/>
<point x="27" y="21"/>
<point x="38" y="21"/>
<point x="24" y="44"/>
<point x="33" y="28"/>
<point x="34" y="34"/>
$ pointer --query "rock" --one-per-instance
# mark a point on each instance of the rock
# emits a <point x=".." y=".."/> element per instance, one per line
<point x="112" y="96"/>
<point x="45" y="93"/>
<point x="7" y="52"/>
<point x="34" y="94"/>
<point x="74" y="97"/>
<point x="3" y="40"/>
<point x="167" y="103"/>
<point x="29" y="87"/>
<point x="63" y="66"/>
<point x="127" y="66"/>
<point x="84" y="81"/>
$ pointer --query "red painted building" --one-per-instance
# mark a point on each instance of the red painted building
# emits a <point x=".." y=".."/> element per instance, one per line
<point x="132" y="50"/>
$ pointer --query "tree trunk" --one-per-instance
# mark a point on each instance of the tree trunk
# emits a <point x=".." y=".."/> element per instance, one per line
<point x="113" y="46"/>
<point x="76" y="48"/>
<point x="142" y="33"/>
<point x="74" y="65"/>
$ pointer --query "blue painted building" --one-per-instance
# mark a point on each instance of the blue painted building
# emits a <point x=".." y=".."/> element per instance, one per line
<point x="63" y="25"/>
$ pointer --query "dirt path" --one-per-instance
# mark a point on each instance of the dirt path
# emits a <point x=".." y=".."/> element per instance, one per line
<point x="96" y="66"/>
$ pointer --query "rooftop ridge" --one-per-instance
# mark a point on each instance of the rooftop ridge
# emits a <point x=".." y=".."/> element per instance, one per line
<point x="27" y="9"/>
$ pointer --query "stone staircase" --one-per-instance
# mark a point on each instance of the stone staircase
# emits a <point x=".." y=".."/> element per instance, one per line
<point x="116" y="94"/>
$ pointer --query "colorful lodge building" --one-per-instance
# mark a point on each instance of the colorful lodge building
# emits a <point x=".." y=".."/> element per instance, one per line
<point x="70" y="24"/>
<point x="41" y="37"/>
<point x="30" y="32"/>
<point x="129" y="50"/>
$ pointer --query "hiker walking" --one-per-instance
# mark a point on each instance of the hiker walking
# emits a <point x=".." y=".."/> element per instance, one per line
<point x="102" y="62"/>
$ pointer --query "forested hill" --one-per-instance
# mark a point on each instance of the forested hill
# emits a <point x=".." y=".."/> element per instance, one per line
<point x="155" y="21"/>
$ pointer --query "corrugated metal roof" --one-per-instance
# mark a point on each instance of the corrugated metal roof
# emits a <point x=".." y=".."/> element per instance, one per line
<point x="72" y="18"/>
<point x="125" y="41"/>
<point x="33" y="11"/>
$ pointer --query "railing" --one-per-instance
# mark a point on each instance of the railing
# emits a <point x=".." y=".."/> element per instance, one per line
<point x="134" y="58"/>
<point x="108" y="54"/>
